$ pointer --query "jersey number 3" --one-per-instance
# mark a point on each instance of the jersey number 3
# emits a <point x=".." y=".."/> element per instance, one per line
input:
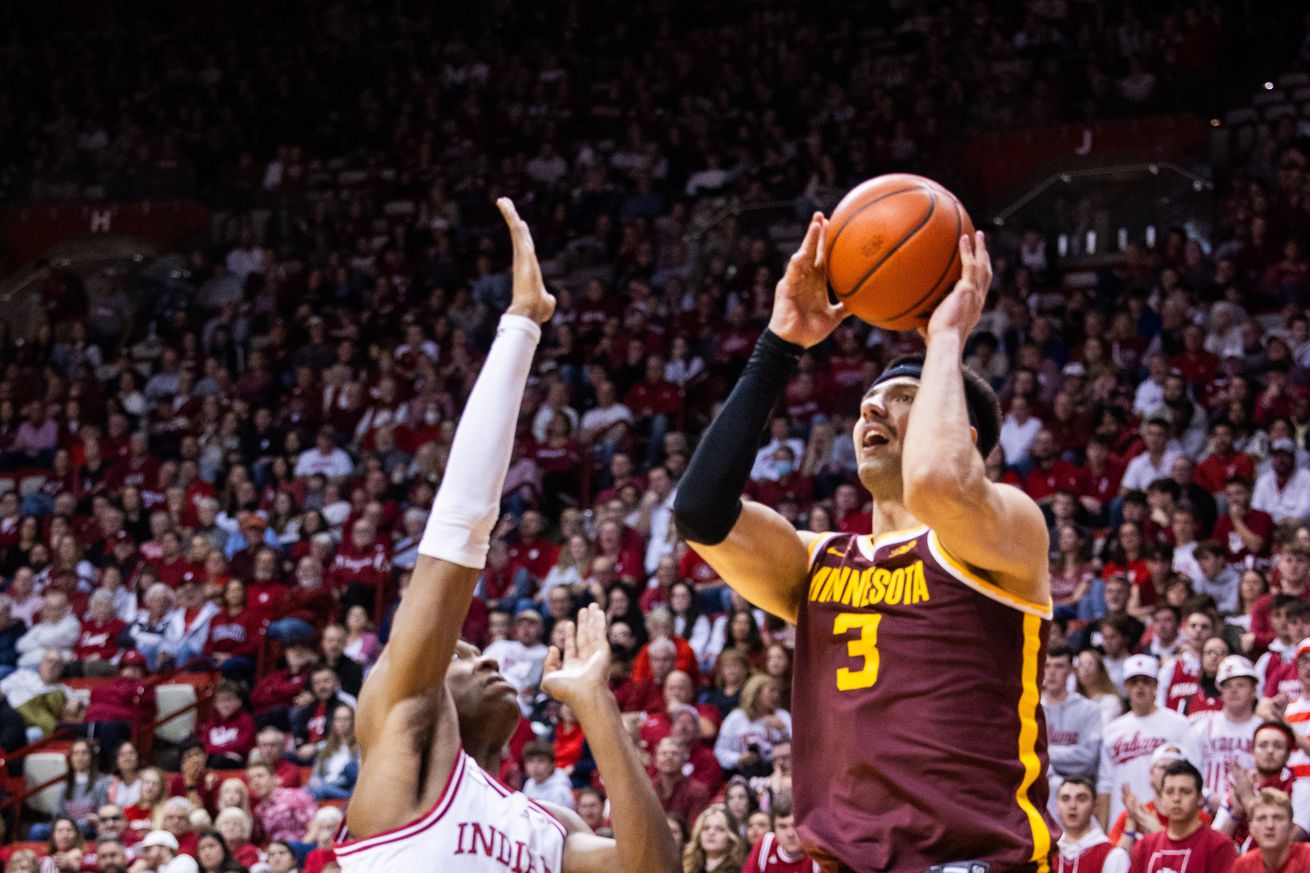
<point x="864" y="647"/>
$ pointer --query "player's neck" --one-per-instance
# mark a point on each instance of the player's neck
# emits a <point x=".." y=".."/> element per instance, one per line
<point x="1183" y="830"/>
<point x="891" y="515"/>
<point x="488" y="758"/>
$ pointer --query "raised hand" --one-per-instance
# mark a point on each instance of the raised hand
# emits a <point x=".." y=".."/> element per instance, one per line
<point x="801" y="311"/>
<point x="583" y="668"/>
<point x="530" y="297"/>
<point x="961" y="310"/>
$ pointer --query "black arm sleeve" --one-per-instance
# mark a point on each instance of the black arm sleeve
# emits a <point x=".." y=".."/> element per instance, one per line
<point x="709" y="497"/>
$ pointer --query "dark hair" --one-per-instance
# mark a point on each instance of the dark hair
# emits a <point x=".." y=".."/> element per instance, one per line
<point x="228" y="863"/>
<point x="70" y="783"/>
<point x="1184" y="768"/>
<point x="1280" y="602"/>
<point x="538" y="749"/>
<point x="1177" y="614"/>
<point x="50" y="844"/>
<point x="1059" y="649"/>
<point x="984" y="406"/>
<point x="1084" y="781"/>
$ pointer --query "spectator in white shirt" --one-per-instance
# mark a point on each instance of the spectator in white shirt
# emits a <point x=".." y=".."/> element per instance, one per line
<point x="1154" y="463"/>
<point x="607" y="423"/>
<point x="765" y="466"/>
<point x="57" y="628"/>
<point x="545" y="781"/>
<point x="324" y="458"/>
<point x="1283" y="490"/>
<point x="1018" y="430"/>
<point x="1150" y="392"/>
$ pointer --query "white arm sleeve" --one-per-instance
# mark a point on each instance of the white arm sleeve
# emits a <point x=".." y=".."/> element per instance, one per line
<point x="468" y="502"/>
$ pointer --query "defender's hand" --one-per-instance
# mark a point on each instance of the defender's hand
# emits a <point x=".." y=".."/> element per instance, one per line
<point x="801" y="311"/>
<point x="531" y="299"/>
<point x="583" y="668"/>
<point x="961" y="310"/>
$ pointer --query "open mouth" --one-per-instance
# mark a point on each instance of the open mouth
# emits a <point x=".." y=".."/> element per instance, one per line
<point x="875" y="438"/>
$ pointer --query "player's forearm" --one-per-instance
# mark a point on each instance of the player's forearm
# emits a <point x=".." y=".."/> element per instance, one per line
<point x="641" y="835"/>
<point x="939" y="453"/>
<point x="468" y="502"/>
<point x="708" y="507"/>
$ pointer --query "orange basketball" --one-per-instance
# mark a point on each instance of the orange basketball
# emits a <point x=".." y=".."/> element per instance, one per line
<point x="893" y="249"/>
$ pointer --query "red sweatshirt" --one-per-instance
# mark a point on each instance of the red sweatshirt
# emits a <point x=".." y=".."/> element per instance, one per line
<point x="98" y="640"/>
<point x="238" y="634"/>
<point x="278" y="688"/>
<point x="371" y="566"/>
<point x="122" y="699"/>
<point x="233" y="736"/>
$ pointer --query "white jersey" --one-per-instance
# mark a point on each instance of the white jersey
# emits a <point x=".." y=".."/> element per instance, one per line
<point x="1215" y="742"/>
<point x="1126" y="747"/>
<point x="477" y="826"/>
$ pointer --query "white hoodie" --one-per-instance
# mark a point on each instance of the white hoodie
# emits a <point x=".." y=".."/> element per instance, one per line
<point x="1115" y="862"/>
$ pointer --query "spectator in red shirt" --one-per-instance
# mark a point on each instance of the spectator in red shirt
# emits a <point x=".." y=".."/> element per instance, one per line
<point x="1273" y="832"/>
<point x="1294" y="581"/>
<point x="531" y="551"/>
<point x="678" y="792"/>
<point x="195" y="782"/>
<point x="122" y="704"/>
<point x="137" y="470"/>
<point x="1098" y="479"/>
<point x="228" y="734"/>
<point x="1245" y="531"/>
<point x="846" y="508"/>
<point x="97" y="645"/>
<point x="1185" y="835"/>
<point x="271" y="749"/>
<point x="1223" y="462"/>
<point x="235" y="635"/>
<point x="275" y="692"/>
<point x="360" y="567"/>
<point x="1049" y="472"/>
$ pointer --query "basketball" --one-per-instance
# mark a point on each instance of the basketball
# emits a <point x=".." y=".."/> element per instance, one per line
<point x="893" y="249"/>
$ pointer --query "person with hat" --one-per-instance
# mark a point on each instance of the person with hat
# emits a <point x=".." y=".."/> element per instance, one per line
<point x="1185" y="841"/>
<point x="159" y="853"/>
<point x="1128" y="742"/>
<point x="1270" y="750"/>
<point x="522" y="656"/>
<point x="1283" y="490"/>
<point x="1222" y="739"/>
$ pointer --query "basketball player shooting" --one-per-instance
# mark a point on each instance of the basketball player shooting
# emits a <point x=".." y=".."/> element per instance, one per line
<point x="434" y="714"/>
<point x="919" y="740"/>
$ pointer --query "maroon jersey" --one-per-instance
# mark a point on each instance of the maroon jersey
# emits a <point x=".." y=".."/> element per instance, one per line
<point x="919" y="738"/>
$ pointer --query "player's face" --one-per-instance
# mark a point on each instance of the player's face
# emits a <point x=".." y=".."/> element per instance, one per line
<point x="1271" y="827"/>
<point x="1270" y="751"/>
<point x="884" y="414"/>
<point x="1074" y="803"/>
<point x="483" y="697"/>
<point x="1179" y="799"/>
<point x="784" y="828"/>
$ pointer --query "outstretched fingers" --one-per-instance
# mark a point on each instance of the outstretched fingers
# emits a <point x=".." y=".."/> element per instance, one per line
<point x="570" y="642"/>
<point x="518" y="228"/>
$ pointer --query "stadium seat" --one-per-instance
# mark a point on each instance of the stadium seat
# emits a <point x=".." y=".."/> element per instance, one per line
<point x="40" y="767"/>
<point x="175" y="697"/>
<point x="30" y="484"/>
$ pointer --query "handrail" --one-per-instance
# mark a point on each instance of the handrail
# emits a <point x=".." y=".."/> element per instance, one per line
<point x="143" y="735"/>
<point x="58" y="735"/>
<point x="17" y="801"/>
<point x="1063" y="177"/>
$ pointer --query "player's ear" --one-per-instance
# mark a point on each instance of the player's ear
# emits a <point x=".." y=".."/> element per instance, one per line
<point x="973" y="434"/>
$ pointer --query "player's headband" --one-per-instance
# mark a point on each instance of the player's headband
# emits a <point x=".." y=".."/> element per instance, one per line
<point x="914" y="370"/>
